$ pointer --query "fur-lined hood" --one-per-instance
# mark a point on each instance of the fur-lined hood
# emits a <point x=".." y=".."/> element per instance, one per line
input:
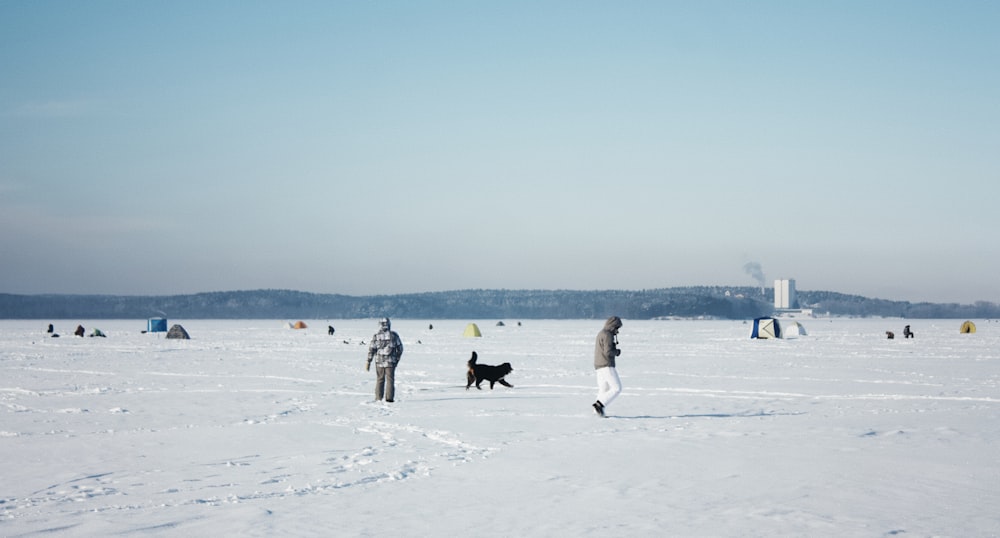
<point x="613" y="324"/>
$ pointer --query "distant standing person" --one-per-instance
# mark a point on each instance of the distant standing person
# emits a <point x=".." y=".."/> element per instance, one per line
<point x="605" y="352"/>
<point x="385" y="348"/>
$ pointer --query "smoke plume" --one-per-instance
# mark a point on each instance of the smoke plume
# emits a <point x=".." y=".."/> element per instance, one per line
<point x="756" y="272"/>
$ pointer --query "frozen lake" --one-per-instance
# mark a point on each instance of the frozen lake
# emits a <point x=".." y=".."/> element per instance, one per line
<point x="254" y="429"/>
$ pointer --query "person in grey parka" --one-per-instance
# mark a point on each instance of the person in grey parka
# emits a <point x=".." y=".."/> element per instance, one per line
<point x="385" y="348"/>
<point x="605" y="352"/>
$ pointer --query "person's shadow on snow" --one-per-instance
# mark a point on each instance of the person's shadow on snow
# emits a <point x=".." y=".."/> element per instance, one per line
<point x="707" y="415"/>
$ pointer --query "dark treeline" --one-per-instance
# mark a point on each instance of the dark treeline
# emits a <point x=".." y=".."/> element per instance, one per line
<point x="683" y="302"/>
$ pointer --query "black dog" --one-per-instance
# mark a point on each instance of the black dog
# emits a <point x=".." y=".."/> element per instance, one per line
<point x="484" y="372"/>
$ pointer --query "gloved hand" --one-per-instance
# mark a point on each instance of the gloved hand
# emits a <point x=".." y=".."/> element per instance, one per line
<point x="618" y="352"/>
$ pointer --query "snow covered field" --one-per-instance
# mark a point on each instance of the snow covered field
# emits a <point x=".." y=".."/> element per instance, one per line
<point x="254" y="429"/>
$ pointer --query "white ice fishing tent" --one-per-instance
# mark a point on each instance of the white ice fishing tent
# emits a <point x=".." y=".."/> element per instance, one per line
<point x="766" y="328"/>
<point x="793" y="330"/>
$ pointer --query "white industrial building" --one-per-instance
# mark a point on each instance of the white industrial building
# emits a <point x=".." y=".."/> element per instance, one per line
<point x="784" y="294"/>
<point x="786" y="302"/>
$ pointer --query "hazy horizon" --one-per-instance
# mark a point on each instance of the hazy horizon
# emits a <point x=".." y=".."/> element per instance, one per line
<point x="768" y="296"/>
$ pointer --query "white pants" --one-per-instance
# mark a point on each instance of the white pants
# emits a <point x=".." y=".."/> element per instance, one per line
<point x="608" y="385"/>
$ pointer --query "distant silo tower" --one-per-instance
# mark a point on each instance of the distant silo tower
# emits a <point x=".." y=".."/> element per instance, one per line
<point x="784" y="293"/>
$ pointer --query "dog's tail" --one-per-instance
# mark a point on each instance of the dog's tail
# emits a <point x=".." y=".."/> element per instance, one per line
<point x="472" y="361"/>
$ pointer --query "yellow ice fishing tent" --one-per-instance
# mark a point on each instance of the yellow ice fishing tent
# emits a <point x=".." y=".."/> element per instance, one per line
<point x="968" y="328"/>
<point x="472" y="331"/>
<point x="300" y="325"/>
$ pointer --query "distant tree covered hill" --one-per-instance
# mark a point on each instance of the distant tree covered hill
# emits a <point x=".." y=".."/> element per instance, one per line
<point x="839" y="304"/>
<point x="683" y="302"/>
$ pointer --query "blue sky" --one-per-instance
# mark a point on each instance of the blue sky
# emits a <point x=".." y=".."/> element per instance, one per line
<point x="386" y="147"/>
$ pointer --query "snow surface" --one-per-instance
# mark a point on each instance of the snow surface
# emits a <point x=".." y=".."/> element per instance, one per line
<point x="254" y="429"/>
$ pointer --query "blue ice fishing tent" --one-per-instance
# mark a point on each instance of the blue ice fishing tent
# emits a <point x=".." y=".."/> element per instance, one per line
<point x="766" y="328"/>
<point x="157" y="325"/>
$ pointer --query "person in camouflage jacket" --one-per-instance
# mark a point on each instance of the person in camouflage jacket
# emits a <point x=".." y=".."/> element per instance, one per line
<point x="385" y="349"/>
